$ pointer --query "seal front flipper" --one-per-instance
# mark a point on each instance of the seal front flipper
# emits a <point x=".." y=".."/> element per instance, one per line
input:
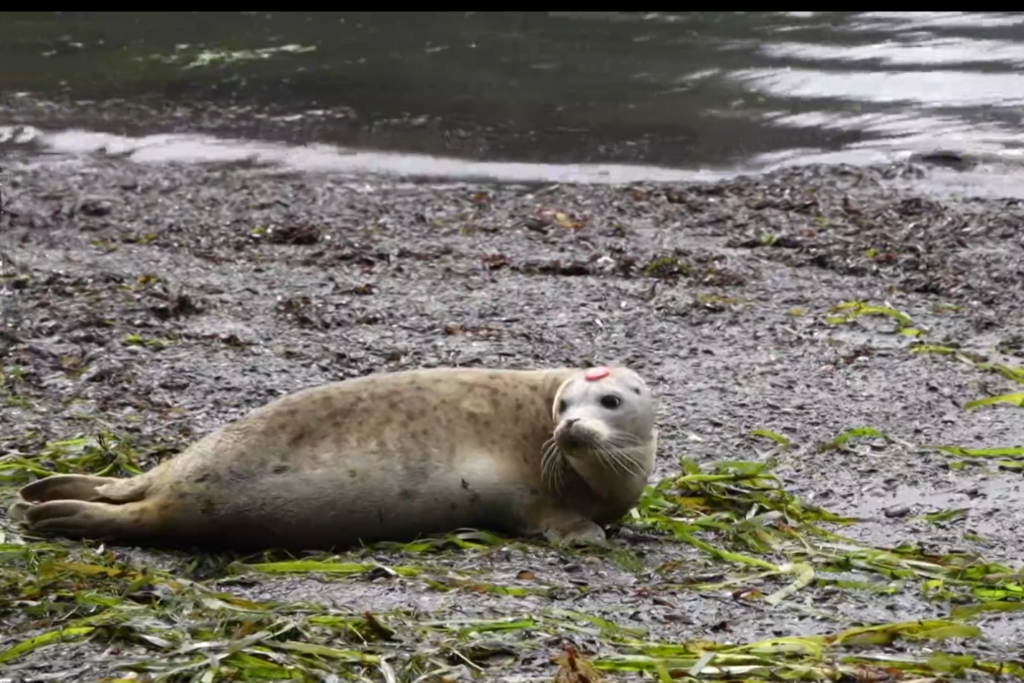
<point x="76" y="519"/>
<point x="560" y="526"/>
<point x="573" y="530"/>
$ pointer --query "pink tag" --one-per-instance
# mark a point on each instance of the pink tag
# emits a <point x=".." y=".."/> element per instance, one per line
<point x="594" y="374"/>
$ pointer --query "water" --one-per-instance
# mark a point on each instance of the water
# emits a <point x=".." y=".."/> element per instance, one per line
<point x="519" y="95"/>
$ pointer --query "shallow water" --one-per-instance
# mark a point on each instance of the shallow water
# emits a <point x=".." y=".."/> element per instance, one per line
<point x="590" y="96"/>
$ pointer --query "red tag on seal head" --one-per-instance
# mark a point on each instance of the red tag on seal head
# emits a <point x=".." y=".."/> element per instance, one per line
<point x="594" y="374"/>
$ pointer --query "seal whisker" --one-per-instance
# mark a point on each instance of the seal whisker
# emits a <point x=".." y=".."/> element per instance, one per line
<point x="637" y="455"/>
<point x="629" y="462"/>
<point x="549" y="451"/>
<point x="559" y="474"/>
<point x="624" y="458"/>
<point x="611" y="458"/>
<point x="551" y="469"/>
<point x="624" y="440"/>
<point x="606" y="457"/>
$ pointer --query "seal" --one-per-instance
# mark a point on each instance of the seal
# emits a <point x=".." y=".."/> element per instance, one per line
<point x="557" y="453"/>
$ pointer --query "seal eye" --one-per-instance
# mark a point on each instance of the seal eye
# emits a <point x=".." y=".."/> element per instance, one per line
<point x="562" y="405"/>
<point x="610" y="401"/>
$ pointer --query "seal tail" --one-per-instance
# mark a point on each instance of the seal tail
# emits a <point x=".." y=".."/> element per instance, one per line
<point x="86" y="488"/>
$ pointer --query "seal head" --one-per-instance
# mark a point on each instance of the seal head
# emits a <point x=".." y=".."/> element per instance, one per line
<point x="605" y="430"/>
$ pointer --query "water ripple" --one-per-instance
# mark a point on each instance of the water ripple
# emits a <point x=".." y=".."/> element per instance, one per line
<point x="923" y="53"/>
<point x="524" y="94"/>
<point x="929" y="88"/>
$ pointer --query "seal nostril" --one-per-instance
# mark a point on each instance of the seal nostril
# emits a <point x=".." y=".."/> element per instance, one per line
<point x="571" y="421"/>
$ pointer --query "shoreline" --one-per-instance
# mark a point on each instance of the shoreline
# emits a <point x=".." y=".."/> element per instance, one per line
<point x="154" y="302"/>
<point x="206" y="134"/>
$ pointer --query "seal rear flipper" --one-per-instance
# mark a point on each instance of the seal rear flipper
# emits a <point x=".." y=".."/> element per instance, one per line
<point x="84" y="487"/>
<point x="16" y="513"/>
<point x="76" y="519"/>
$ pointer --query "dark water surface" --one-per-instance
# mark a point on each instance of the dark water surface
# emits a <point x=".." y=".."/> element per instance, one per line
<point x="561" y="95"/>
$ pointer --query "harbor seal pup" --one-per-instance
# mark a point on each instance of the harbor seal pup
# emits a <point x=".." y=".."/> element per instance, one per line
<point x="392" y="456"/>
